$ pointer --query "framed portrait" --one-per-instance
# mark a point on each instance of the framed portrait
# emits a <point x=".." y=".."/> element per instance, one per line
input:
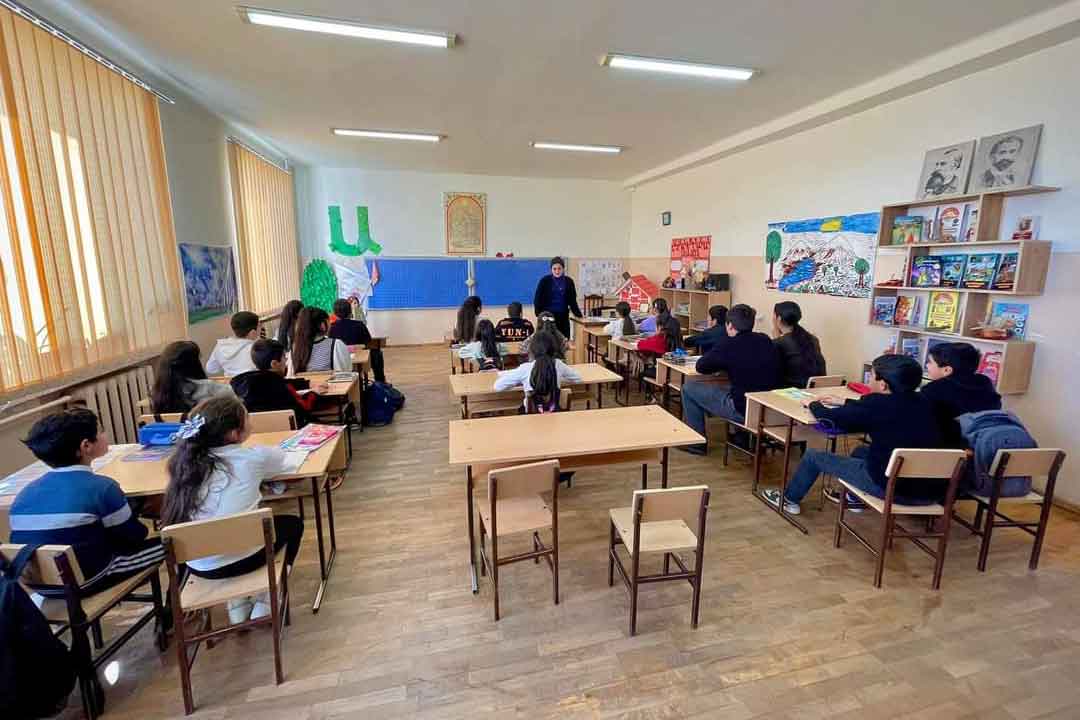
<point x="465" y="217"/>
<point x="1006" y="160"/>
<point x="945" y="171"/>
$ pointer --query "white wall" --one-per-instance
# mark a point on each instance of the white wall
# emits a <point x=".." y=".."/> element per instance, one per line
<point x="529" y="217"/>
<point x="861" y="162"/>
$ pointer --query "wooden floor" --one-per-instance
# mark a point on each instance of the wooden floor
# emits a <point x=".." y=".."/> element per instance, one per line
<point x="790" y="626"/>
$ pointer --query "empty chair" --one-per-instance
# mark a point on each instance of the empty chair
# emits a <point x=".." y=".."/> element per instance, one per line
<point x="272" y="421"/>
<point x="516" y="505"/>
<point x="668" y="522"/>
<point x="916" y="465"/>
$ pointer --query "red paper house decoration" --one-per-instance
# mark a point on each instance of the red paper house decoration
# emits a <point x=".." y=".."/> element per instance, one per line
<point x="638" y="290"/>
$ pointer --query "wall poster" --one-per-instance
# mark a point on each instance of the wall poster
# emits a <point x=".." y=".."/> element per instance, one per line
<point x="465" y="217"/>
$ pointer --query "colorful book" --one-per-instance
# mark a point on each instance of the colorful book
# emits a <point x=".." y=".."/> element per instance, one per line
<point x="1005" y="278"/>
<point x="951" y="222"/>
<point x="980" y="271"/>
<point x="1010" y="318"/>
<point x="990" y="365"/>
<point x="904" y="305"/>
<point x="926" y="271"/>
<point x="944" y="307"/>
<point x="884" y="310"/>
<point x="911" y="347"/>
<point x="1027" y="228"/>
<point x="891" y="343"/>
<point x="971" y="232"/>
<point x="907" y="230"/>
<point x="929" y="217"/>
<point x="311" y="437"/>
<point x="952" y="269"/>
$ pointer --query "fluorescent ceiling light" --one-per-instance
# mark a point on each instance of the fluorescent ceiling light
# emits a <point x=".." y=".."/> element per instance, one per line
<point x="294" y="21"/>
<point x="389" y="135"/>
<point x="675" y="67"/>
<point x="610" y="149"/>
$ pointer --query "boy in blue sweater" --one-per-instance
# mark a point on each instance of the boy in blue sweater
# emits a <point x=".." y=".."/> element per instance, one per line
<point x="71" y="505"/>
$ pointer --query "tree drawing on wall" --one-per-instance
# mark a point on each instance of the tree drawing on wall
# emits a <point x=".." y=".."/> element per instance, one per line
<point x="772" y="252"/>
<point x="862" y="267"/>
<point x="319" y="287"/>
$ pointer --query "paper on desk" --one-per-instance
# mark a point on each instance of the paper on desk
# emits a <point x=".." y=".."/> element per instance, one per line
<point x="19" y="479"/>
<point x="294" y="459"/>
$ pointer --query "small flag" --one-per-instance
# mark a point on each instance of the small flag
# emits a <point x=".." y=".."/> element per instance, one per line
<point x="374" y="273"/>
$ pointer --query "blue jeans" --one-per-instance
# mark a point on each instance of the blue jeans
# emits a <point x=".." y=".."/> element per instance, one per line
<point x="851" y="468"/>
<point x="706" y="398"/>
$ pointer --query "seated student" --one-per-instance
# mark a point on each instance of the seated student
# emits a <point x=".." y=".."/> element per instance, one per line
<point x="648" y="323"/>
<point x="544" y="347"/>
<point x="668" y="335"/>
<point x="751" y="363"/>
<point x="623" y="324"/>
<point x="485" y="349"/>
<point x="72" y="505"/>
<point x="895" y="416"/>
<point x="232" y="356"/>
<point x="312" y="350"/>
<point x="800" y="351"/>
<point x="265" y="388"/>
<point x="514" y="328"/>
<point x="355" y="332"/>
<point x="467" y="315"/>
<point x="547" y="324"/>
<point x="212" y="475"/>
<point x="955" y="388"/>
<point x="287" y="322"/>
<point x="179" y="380"/>
<point x="716" y="332"/>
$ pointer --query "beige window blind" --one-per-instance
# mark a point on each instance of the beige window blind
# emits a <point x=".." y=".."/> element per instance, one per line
<point x="265" y="230"/>
<point x="89" y="261"/>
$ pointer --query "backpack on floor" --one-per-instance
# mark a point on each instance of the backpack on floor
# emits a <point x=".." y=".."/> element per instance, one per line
<point x="987" y="432"/>
<point x="381" y="401"/>
<point x="36" y="671"/>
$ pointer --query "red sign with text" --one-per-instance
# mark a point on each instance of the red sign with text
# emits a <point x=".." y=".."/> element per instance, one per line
<point x="691" y="253"/>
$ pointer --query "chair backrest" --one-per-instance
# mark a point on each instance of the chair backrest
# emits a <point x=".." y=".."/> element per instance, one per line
<point x="823" y="381"/>
<point x="43" y="568"/>
<point x="242" y="533"/>
<point x="681" y="503"/>
<point x="1035" y="462"/>
<point x="925" y="463"/>
<point x="591" y="303"/>
<point x="272" y="421"/>
<point x="518" y="480"/>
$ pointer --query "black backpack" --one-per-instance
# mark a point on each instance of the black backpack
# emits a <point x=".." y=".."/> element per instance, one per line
<point x="36" y="671"/>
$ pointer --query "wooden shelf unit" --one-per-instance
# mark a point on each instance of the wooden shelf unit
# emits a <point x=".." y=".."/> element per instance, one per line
<point x="698" y="303"/>
<point x="1033" y="262"/>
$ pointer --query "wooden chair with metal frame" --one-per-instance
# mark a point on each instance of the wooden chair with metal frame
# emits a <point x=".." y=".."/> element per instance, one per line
<point x="515" y="505"/>
<point x="831" y="435"/>
<point x="667" y="521"/>
<point x="55" y="567"/>
<point x="1036" y="462"/>
<point x="232" y="534"/>
<point x="915" y="465"/>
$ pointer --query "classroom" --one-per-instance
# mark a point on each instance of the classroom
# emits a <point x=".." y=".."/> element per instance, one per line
<point x="495" y="359"/>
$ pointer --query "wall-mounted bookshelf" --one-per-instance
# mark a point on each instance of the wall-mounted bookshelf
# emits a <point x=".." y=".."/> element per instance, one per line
<point x="691" y="307"/>
<point x="974" y="304"/>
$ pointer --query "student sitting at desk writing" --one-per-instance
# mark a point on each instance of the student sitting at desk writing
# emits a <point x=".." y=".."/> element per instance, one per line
<point x="180" y="383"/>
<point x="546" y="323"/>
<point x="265" y="388"/>
<point x="543" y="355"/>
<point x="623" y="324"/>
<point x="485" y="348"/>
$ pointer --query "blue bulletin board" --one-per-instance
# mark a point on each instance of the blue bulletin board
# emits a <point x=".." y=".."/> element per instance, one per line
<point x="500" y="281"/>
<point x="419" y="283"/>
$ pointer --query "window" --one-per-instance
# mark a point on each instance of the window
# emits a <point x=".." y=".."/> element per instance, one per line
<point x="265" y="230"/>
<point x="88" y="265"/>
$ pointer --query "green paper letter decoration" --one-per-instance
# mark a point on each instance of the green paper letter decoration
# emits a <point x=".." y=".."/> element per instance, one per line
<point x="318" y="287"/>
<point x="364" y="241"/>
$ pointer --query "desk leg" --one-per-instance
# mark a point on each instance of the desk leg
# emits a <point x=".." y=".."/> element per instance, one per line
<point x="472" y="540"/>
<point x="779" y="507"/>
<point x="325" y="561"/>
<point x="362" y="410"/>
<point x="663" y="467"/>
<point x="758" y="449"/>
<point x="599" y="396"/>
<point x="667" y="397"/>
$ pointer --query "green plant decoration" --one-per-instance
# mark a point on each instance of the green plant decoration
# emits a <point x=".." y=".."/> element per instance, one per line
<point x="318" y="287"/>
<point x="772" y="251"/>
<point x="364" y="241"/>
<point x="862" y="267"/>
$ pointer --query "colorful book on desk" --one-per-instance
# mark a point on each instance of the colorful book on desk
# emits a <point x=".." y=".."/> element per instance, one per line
<point x="149" y="454"/>
<point x="980" y="271"/>
<point x="311" y="437"/>
<point x="339" y="377"/>
<point x="795" y="394"/>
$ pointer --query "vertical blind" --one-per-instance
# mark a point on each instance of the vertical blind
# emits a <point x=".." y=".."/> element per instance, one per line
<point x="265" y="230"/>
<point x="87" y="248"/>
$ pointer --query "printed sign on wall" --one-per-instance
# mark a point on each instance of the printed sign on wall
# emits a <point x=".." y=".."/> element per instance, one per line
<point x="691" y="253"/>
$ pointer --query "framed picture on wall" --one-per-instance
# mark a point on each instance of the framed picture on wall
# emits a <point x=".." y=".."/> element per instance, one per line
<point x="945" y="171"/>
<point x="1006" y="160"/>
<point x="465" y="218"/>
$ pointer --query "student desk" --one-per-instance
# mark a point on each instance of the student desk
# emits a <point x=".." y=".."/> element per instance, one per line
<point x="640" y="434"/>
<point x="509" y="349"/>
<point x="478" y="389"/>
<point x="673" y="375"/>
<point x="784" y="419"/>
<point x="595" y="341"/>
<point x="579" y="353"/>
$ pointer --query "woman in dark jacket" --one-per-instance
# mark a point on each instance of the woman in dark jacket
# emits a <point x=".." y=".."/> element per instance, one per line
<point x="556" y="294"/>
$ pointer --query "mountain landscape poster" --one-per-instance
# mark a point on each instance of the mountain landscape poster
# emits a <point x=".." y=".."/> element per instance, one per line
<point x="825" y="256"/>
<point x="209" y="281"/>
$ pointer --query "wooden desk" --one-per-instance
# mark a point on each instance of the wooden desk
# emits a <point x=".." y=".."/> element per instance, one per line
<point x="579" y="353"/>
<point x="672" y="375"/>
<point x="595" y="341"/>
<point x="478" y="388"/>
<point x="639" y="435"/>
<point x="342" y="393"/>
<point x="785" y="419"/>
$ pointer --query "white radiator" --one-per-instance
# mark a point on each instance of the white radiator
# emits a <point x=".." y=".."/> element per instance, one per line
<point x="115" y="399"/>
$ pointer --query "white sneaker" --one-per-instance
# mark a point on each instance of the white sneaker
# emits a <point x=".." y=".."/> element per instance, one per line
<point x="239" y="610"/>
<point x="261" y="608"/>
<point x="773" y="498"/>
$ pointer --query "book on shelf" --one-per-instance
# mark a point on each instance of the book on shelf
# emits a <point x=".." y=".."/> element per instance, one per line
<point x="952" y="269"/>
<point x="951" y="222"/>
<point x="1005" y="277"/>
<point x="926" y="271"/>
<point x="1027" y="228"/>
<point x="944" y="307"/>
<point x="990" y="365"/>
<point x="907" y="230"/>
<point x="1007" y="320"/>
<point x="890" y="343"/>
<point x="971" y="230"/>
<point x="980" y="271"/>
<point x="932" y="343"/>
<point x="929" y="217"/>
<point x="911" y="347"/>
<point x="884" y="310"/>
<point x="907" y="310"/>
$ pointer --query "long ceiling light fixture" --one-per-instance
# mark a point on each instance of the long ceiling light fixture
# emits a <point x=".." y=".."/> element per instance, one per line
<point x="333" y="26"/>
<point x="675" y="67"/>
<point x="609" y="149"/>
<point x="389" y="135"/>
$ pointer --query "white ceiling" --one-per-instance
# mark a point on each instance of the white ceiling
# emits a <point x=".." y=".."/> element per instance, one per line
<point x="528" y="70"/>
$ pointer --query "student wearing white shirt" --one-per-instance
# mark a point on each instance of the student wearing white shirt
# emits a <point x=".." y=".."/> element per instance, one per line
<point x="232" y="356"/>
<point x="212" y="475"/>
<point x="623" y="324"/>
<point x="543" y="346"/>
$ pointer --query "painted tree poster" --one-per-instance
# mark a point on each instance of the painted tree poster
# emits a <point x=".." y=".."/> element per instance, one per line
<point x="826" y="256"/>
<point x="691" y="253"/>
<point x="209" y="281"/>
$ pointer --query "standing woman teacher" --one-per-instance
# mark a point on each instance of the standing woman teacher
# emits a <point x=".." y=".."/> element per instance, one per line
<point x="556" y="294"/>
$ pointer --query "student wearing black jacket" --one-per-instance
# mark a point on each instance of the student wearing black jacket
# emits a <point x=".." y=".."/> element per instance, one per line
<point x="800" y="351"/>
<point x="355" y="332"/>
<point x="556" y="294"/>
<point x="895" y="416"/>
<point x="751" y="363"/>
<point x="717" y="331"/>
<point x="266" y="388"/>
<point x="955" y="388"/>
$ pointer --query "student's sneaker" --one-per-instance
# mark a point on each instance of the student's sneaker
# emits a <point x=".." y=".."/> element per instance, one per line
<point x="854" y="504"/>
<point x="261" y="608"/>
<point x="239" y="610"/>
<point x="773" y="498"/>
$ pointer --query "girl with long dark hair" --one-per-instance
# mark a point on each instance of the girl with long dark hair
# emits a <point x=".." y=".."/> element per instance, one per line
<point x="180" y="382"/>
<point x="312" y="350"/>
<point x="543" y="355"/>
<point x="287" y="322"/>
<point x="623" y="324"/>
<point x="485" y="348"/>
<point x="467" y="315"/>
<point x="800" y="351"/>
